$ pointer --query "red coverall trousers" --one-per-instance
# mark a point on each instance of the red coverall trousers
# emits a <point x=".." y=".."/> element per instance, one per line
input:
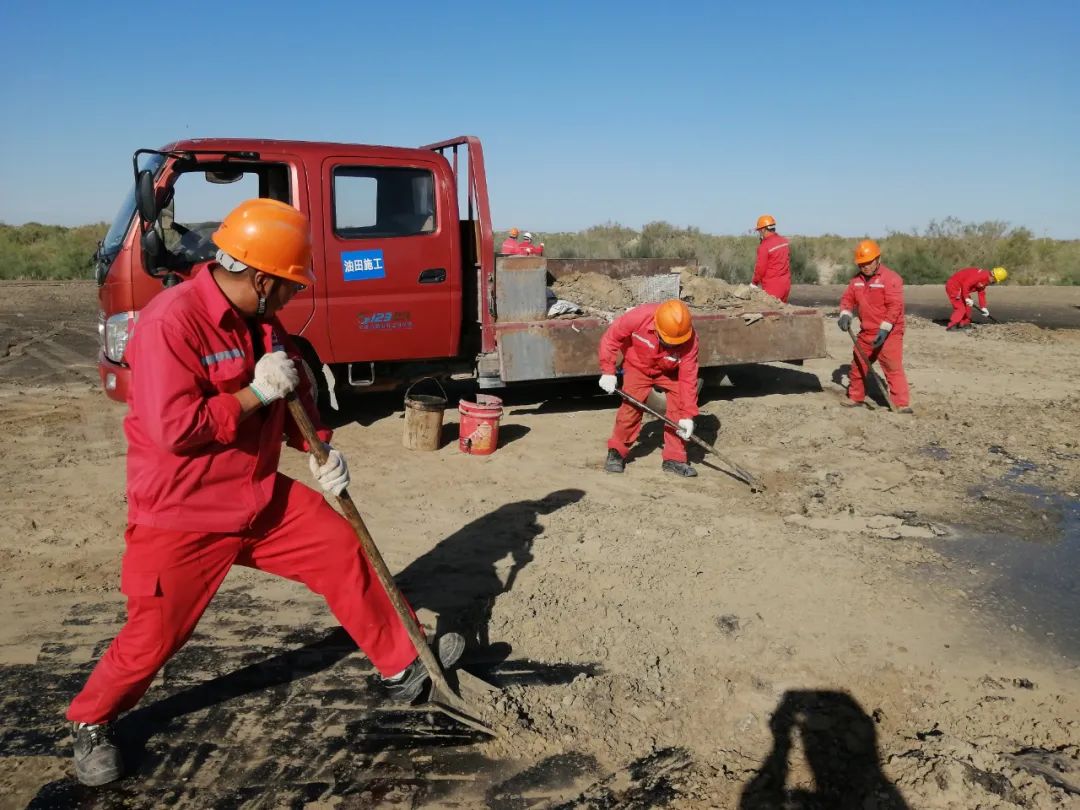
<point x="961" y="312"/>
<point x="170" y="577"/>
<point x="891" y="359"/>
<point x="638" y="384"/>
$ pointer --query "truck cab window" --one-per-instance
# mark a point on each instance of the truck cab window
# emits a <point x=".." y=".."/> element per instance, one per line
<point x="200" y="199"/>
<point x="379" y="201"/>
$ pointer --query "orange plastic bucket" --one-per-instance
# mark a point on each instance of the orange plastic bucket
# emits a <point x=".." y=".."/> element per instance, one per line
<point x="478" y="431"/>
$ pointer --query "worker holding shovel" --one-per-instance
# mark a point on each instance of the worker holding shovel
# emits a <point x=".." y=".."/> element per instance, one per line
<point x="659" y="348"/>
<point x="211" y="367"/>
<point x="962" y="286"/>
<point x="877" y="293"/>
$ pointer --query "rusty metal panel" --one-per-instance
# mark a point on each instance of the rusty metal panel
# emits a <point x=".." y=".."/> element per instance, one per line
<point x="616" y="268"/>
<point x="726" y="341"/>
<point x="568" y="348"/>
<point x="520" y="289"/>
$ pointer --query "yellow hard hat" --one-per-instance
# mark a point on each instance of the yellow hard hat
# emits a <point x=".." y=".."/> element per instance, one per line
<point x="765" y="221"/>
<point x="999" y="274"/>
<point x="514" y="233"/>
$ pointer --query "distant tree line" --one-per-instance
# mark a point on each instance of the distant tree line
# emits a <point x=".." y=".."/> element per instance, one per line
<point x="35" y="251"/>
<point x="926" y="257"/>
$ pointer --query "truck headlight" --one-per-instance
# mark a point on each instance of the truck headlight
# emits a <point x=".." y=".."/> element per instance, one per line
<point x="118" y="331"/>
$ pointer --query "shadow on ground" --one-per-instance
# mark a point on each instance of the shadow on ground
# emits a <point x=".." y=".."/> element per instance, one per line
<point x="839" y="745"/>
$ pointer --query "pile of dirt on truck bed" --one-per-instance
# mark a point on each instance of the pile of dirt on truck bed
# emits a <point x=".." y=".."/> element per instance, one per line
<point x="599" y="292"/>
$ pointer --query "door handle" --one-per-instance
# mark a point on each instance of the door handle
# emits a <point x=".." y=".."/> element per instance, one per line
<point x="433" y="275"/>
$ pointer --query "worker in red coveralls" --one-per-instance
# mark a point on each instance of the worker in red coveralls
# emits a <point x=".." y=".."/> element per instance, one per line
<point x="960" y="288"/>
<point x="659" y="348"/>
<point x="529" y="248"/>
<point x="211" y="365"/>
<point x="772" y="270"/>
<point x="877" y="293"/>
<point x="511" y="246"/>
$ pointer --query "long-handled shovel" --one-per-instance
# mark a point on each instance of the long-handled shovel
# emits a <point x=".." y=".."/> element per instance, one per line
<point x="442" y="697"/>
<point x="733" y="469"/>
<point x="870" y="370"/>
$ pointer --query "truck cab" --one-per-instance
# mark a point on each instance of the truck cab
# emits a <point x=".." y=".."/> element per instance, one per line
<point x="391" y="256"/>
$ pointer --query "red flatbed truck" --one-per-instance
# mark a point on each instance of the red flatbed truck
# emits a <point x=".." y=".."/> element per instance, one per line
<point x="407" y="278"/>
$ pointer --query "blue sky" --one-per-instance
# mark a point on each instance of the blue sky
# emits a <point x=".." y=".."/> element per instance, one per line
<point x="850" y="118"/>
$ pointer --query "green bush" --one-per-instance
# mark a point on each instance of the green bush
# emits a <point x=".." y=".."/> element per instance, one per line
<point x="36" y="251"/>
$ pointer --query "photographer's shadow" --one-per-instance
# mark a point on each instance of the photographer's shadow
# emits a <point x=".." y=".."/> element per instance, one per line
<point x="839" y="743"/>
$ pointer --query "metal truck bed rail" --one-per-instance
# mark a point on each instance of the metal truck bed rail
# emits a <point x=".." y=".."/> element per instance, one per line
<point x="551" y="349"/>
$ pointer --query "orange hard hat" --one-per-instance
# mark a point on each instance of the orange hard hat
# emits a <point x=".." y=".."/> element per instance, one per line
<point x="866" y="251"/>
<point x="765" y="221"/>
<point x="673" y="322"/>
<point x="514" y="233"/>
<point x="270" y="236"/>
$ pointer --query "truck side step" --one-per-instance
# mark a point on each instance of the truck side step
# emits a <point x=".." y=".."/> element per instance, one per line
<point x="362" y="383"/>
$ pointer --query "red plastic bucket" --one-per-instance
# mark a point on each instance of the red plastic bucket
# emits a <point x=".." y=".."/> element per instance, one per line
<point x="478" y="432"/>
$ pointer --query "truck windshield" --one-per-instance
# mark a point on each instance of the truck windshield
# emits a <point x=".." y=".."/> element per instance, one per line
<point x="114" y="238"/>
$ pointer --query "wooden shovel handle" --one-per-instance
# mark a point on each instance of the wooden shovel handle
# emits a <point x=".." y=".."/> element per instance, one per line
<point x="736" y="470"/>
<point x="352" y="514"/>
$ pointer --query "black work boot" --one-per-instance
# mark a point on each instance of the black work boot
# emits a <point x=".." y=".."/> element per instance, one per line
<point x="407" y="686"/>
<point x="679" y="468"/>
<point x="97" y="759"/>
<point x="615" y="463"/>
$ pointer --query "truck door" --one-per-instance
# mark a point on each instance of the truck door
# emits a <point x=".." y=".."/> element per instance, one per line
<point x="392" y="258"/>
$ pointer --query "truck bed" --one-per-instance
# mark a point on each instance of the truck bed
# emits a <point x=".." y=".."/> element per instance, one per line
<point x="567" y="346"/>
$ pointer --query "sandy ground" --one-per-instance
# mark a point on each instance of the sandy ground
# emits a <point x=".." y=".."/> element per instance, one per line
<point x="892" y="624"/>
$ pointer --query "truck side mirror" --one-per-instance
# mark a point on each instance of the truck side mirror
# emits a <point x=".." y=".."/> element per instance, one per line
<point x="145" y="198"/>
<point x="153" y="250"/>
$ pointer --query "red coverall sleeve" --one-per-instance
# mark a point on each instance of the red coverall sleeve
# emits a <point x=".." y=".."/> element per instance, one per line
<point x="615" y="339"/>
<point x="847" y="300"/>
<point x="688" y="379"/>
<point x="894" y="299"/>
<point x="982" y="298"/>
<point x="761" y="263"/>
<point x="166" y="384"/>
<point x="293" y="437"/>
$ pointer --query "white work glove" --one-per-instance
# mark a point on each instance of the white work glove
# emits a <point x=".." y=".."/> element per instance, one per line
<point x="686" y="429"/>
<point x="969" y="301"/>
<point x="275" y="376"/>
<point x="985" y="312"/>
<point x="333" y="476"/>
<point x="754" y="287"/>
<point x="607" y="383"/>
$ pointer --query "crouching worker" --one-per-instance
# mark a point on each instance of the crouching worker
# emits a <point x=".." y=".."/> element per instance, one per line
<point x="211" y="365"/>
<point x="659" y="348"/>
<point x="961" y="288"/>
